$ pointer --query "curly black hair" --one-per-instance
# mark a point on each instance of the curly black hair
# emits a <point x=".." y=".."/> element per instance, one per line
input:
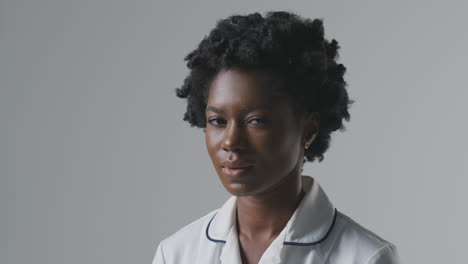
<point x="282" y="42"/>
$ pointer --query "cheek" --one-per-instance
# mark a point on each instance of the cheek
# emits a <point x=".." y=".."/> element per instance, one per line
<point x="281" y="150"/>
<point x="212" y="142"/>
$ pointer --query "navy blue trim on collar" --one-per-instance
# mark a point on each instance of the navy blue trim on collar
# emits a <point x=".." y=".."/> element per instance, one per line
<point x="284" y="243"/>
<point x="208" y="236"/>
<point x="316" y="242"/>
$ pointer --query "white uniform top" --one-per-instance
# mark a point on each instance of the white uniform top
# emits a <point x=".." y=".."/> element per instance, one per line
<point x="316" y="233"/>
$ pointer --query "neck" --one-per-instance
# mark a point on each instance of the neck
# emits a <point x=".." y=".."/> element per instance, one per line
<point x="265" y="215"/>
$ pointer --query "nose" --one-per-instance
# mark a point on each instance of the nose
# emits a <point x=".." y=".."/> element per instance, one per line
<point x="233" y="138"/>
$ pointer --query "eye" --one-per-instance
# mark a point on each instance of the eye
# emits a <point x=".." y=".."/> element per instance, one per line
<point x="258" y="121"/>
<point x="218" y="122"/>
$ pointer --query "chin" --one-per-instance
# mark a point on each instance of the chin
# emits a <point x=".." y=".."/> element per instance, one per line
<point x="240" y="190"/>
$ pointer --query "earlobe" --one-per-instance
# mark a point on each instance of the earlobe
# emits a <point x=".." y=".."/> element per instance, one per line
<point x="310" y="140"/>
<point x="313" y="126"/>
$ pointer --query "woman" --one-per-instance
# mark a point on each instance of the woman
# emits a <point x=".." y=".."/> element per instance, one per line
<point x="268" y="93"/>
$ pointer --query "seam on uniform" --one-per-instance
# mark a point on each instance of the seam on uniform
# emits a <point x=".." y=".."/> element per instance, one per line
<point x="377" y="252"/>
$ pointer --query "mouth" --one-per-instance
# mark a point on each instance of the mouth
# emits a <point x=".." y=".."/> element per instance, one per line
<point x="236" y="171"/>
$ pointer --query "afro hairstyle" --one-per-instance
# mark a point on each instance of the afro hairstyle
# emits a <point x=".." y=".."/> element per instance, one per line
<point x="282" y="42"/>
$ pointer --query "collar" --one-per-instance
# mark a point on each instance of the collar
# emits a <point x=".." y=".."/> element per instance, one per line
<point x="310" y="224"/>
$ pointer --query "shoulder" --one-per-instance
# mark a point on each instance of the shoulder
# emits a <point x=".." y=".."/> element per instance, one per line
<point x="190" y="233"/>
<point x="360" y="243"/>
<point x="181" y="246"/>
<point x="350" y="229"/>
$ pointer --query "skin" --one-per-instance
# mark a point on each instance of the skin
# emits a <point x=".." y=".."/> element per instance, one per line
<point x="248" y="125"/>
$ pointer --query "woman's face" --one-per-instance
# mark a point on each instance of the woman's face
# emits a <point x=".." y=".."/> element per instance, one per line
<point x="253" y="138"/>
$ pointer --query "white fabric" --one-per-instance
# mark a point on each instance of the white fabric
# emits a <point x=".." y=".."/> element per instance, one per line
<point x="316" y="233"/>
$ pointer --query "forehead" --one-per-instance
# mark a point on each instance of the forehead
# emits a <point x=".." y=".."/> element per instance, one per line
<point x="241" y="87"/>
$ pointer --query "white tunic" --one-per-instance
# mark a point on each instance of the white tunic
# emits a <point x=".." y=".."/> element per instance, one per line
<point x="316" y="233"/>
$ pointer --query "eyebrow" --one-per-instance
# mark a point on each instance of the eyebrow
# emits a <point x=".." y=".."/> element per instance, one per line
<point x="243" y="110"/>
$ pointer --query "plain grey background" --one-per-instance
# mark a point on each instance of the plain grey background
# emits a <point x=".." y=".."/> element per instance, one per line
<point x="97" y="165"/>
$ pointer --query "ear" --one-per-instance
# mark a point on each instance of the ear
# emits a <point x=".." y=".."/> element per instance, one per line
<point x="311" y="128"/>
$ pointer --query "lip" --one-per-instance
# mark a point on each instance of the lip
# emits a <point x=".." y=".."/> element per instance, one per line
<point x="236" y="171"/>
